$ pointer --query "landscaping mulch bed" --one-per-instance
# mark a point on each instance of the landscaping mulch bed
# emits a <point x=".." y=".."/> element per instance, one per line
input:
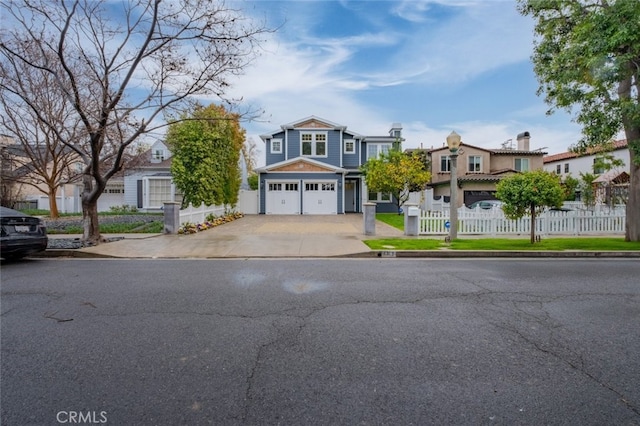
<point x="58" y="226"/>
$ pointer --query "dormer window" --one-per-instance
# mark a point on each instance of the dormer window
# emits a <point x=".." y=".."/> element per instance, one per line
<point x="158" y="154"/>
<point x="313" y="144"/>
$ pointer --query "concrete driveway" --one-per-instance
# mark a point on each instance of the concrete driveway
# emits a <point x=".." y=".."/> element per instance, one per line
<point x="256" y="236"/>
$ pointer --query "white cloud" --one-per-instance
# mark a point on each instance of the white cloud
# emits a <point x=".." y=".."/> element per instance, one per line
<point x="300" y="74"/>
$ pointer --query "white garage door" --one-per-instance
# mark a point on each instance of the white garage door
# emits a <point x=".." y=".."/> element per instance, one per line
<point x="282" y="198"/>
<point x="320" y="197"/>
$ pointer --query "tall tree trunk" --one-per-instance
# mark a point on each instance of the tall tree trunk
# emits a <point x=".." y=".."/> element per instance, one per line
<point x="90" y="224"/>
<point x="632" y="231"/>
<point x="53" y="203"/>
<point x="533" y="223"/>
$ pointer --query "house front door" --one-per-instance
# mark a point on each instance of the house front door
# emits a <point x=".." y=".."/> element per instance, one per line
<point x="350" y="196"/>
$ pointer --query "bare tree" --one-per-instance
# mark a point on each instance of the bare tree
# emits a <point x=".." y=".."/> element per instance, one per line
<point x="124" y="67"/>
<point x="40" y="157"/>
<point x="250" y="154"/>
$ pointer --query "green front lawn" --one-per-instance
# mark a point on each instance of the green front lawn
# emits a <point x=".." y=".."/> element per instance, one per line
<point x="498" y="244"/>
<point x="393" y="219"/>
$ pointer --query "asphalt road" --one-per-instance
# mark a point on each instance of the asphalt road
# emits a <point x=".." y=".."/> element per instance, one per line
<point x="302" y="342"/>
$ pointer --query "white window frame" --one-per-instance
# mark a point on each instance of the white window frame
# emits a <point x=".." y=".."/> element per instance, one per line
<point x="147" y="191"/>
<point x="274" y="143"/>
<point x="314" y="143"/>
<point x="380" y="149"/>
<point x="351" y="142"/>
<point x="522" y="169"/>
<point x="380" y="197"/>
<point x="478" y="163"/>
<point x="158" y="154"/>
<point x="446" y="158"/>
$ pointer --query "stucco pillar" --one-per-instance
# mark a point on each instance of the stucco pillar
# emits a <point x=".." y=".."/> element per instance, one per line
<point x="171" y="217"/>
<point x="369" y="218"/>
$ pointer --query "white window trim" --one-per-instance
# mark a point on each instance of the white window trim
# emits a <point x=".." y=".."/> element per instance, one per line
<point x="352" y="141"/>
<point x="473" y="171"/>
<point x="448" y="157"/>
<point x="379" y="198"/>
<point x="274" y="151"/>
<point x="313" y="144"/>
<point x="521" y="159"/>
<point x="146" y="191"/>
<point x="378" y="150"/>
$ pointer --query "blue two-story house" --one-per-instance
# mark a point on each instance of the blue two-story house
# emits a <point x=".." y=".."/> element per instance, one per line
<point x="313" y="167"/>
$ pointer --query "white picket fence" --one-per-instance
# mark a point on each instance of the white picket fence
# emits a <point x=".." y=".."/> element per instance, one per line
<point x="247" y="204"/>
<point x="493" y="222"/>
<point x="199" y="214"/>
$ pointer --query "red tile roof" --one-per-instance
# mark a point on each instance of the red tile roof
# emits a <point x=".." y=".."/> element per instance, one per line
<point x="620" y="144"/>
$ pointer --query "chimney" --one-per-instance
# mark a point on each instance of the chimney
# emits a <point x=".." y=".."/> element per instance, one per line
<point x="523" y="141"/>
<point x="396" y="130"/>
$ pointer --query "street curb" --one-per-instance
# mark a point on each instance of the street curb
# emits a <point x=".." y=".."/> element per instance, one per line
<point x="374" y="254"/>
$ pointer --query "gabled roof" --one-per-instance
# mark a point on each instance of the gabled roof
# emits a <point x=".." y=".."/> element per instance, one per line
<point x="300" y="164"/>
<point x="144" y="161"/>
<point x="462" y="145"/>
<point x="620" y="144"/>
<point x="308" y="123"/>
<point x="613" y="176"/>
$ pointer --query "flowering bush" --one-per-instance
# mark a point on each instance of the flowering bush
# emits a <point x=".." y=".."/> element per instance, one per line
<point x="210" y="222"/>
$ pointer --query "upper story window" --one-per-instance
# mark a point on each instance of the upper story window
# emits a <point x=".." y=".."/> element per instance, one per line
<point x="375" y="150"/>
<point x="522" y="164"/>
<point x="158" y="154"/>
<point x="566" y="167"/>
<point x="475" y="164"/>
<point x="597" y="167"/>
<point x="276" y="146"/>
<point x="313" y="144"/>
<point x="445" y="163"/>
<point x="558" y="169"/>
<point x="349" y="146"/>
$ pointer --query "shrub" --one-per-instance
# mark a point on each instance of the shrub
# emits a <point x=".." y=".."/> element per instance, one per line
<point x="123" y="209"/>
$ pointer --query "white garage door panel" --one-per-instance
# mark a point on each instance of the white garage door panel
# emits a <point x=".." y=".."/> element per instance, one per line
<point x="320" y="197"/>
<point x="283" y="198"/>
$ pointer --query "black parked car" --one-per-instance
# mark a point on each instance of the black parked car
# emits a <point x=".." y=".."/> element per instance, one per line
<point x="21" y="234"/>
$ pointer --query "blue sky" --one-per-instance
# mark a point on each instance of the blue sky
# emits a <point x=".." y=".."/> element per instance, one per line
<point x="432" y="65"/>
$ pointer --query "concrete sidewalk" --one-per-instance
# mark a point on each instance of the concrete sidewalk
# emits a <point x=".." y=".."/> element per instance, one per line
<point x="275" y="236"/>
<point x="252" y="236"/>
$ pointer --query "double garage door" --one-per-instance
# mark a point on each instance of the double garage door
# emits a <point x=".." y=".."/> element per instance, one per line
<point x="308" y="197"/>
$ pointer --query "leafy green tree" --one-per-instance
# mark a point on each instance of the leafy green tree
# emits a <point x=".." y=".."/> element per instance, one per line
<point x="396" y="173"/>
<point x="253" y="181"/>
<point x="587" y="190"/>
<point x="529" y="193"/>
<point x="570" y="185"/>
<point x="206" y="144"/>
<point x="586" y="57"/>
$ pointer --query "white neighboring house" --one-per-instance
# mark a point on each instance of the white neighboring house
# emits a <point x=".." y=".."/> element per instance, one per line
<point x="609" y="185"/>
<point x="148" y="184"/>
<point x="570" y="163"/>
